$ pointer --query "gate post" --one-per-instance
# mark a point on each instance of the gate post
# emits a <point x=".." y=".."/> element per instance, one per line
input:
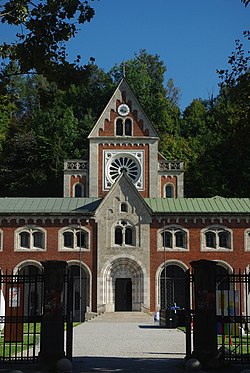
<point x="204" y="328"/>
<point x="52" y="325"/>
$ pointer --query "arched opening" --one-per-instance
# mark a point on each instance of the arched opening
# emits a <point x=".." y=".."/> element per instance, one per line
<point x="124" y="286"/>
<point x="128" y="127"/>
<point x="32" y="289"/>
<point x="119" y="127"/>
<point x="80" y="291"/>
<point x="169" y="191"/>
<point x="78" y="190"/>
<point x="172" y="287"/>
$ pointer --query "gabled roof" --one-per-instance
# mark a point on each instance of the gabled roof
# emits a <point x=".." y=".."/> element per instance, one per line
<point x="117" y="95"/>
<point x="212" y="205"/>
<point x="48" y="205"/>
<point x="121" y="179"/>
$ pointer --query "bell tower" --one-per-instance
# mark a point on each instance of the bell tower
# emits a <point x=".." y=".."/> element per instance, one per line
<point x="124" y="140"/>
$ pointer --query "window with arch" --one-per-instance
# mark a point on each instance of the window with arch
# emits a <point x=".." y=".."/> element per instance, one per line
<point x="123" y="127"/>
<point x="216" y="238"/>
<point x="78" y="190"/>
<point x="124" y="207"/>
<point x="169" y="191"/>
<point x="247" y="239"/>
<point x="74" y="239"/>
<point x="174" y="238"/>
<point x="124" y="233"/>
<point x="30" y="238"/>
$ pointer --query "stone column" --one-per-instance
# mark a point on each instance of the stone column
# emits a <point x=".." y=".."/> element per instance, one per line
<point x="52" y="325"/>
<point x="204" y="329"/>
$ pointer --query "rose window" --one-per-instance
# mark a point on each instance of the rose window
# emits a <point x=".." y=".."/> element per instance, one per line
<point x="127" y="165"/>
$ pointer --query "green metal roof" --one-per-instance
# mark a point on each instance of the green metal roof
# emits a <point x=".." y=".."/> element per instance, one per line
<point x="199" y="205"/>
<point x="157" y="205"/>
<point x="48" y="205"/>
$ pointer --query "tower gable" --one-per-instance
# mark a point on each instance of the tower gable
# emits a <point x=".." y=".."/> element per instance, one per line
<point x="123" y="110"/>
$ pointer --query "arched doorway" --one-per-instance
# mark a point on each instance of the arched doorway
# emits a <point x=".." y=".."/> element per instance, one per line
<point x="172" y="287"/>
<point x="80" y="291"/>
<point x="124" y="285"/>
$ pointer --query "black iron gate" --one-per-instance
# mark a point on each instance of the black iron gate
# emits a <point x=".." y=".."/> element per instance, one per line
<point x="21" y="315"/>
<point x="232" y="305"/>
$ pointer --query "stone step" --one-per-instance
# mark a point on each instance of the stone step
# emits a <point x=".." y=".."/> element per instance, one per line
<point x="123" y="317"/>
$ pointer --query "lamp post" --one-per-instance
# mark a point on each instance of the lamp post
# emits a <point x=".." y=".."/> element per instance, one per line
<point x="80" y="272"/>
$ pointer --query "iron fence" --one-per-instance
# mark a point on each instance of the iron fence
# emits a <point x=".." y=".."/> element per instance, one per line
<point x="21" y="315"/>
<point x="232" y="300"/>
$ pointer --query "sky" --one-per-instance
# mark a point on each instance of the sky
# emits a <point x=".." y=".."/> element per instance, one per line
<point x="192" y="37"/>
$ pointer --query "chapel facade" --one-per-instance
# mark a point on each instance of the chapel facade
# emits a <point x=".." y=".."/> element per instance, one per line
<point x="123" y="225"/>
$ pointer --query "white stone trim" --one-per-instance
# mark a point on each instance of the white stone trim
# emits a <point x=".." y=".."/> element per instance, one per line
<point x="29" y="229"/>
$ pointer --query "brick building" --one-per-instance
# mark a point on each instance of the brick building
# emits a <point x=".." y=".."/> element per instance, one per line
<point x="123" y="224"/>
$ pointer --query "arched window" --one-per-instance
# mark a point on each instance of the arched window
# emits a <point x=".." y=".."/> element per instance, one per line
<point x="119" y="127"/>
<point x="224" y="239"/>
<point x="25" y="240"/>
<point x="30" y="237"/>
<point x="128" y="236"/>
<point x="216" y="237"/>
<point x="73" y="239"/>
<point x="167" y="239"/>
<point x="210" y="239"/>
<point x="128" y="127"/>
<point x="180" y="239"/>
<point x="123" y="127"/>
<point x="169" y="191"/>
<point x="124" y="233"/>
<point x="38" y="239"/>
<point x="124" y="207"/>
<point x="174" y="238"/>
<point x="78" y="190"/>
<point x="68" y="239"/>
<point x="118" y="236"/>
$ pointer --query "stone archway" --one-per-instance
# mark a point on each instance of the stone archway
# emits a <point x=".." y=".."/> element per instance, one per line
<point x="123" y="285"/>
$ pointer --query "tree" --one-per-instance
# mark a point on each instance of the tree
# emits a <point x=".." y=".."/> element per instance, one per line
<point x="44" y="27"/>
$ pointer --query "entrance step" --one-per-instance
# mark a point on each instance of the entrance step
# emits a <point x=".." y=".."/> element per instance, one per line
<point x="123" y="317"/>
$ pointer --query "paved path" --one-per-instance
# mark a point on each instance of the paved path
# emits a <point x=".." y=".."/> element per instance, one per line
<point x="127" y="342"/>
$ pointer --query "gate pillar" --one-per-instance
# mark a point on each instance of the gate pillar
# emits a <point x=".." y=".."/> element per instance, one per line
<point x="204" y="328"/>
<point x="52" y="325"/>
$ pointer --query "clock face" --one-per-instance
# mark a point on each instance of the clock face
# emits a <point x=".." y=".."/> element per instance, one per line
<point x="123" y="109"/>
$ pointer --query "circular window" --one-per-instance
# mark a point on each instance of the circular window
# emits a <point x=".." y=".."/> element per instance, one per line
<point x="126" y="164"/>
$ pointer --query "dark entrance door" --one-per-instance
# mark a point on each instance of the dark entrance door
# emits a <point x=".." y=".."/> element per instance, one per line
<point x="123" y="294"/>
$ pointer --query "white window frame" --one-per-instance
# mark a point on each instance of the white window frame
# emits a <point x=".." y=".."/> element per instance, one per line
<point x="74" y="230"/>
<point x="247" y="239"/>
<point x="173" y="229"/>
<point x="30" y="229"/>
<point x="216" y="229"/>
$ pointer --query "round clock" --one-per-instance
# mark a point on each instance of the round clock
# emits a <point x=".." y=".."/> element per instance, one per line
<point x="123" y="109"/>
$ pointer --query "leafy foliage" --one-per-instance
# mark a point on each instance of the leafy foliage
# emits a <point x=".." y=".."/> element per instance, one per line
<point x="43" y="29"/>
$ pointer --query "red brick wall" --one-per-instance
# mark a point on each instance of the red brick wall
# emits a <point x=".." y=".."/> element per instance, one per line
<point x="168" y="180"/>
<point x="237" y="258"/>
<point x="109" y="125"/>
